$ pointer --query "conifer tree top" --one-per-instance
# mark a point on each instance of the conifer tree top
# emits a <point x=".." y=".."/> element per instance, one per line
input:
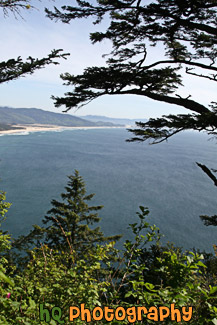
<point x="70" y="223"/>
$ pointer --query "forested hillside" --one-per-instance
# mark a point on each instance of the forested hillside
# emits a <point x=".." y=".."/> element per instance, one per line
<point x="10" y="115"/>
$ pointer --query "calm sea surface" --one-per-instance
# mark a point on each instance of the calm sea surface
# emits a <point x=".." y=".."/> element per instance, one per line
<point x="163" y="177"/>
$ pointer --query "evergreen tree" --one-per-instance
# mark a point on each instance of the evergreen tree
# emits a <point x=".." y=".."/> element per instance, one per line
<point x="69" y="223"/>
<point x="185" y="30"/>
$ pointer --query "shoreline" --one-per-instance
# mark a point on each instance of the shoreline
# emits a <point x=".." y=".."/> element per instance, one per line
<point x="45" y="127"/>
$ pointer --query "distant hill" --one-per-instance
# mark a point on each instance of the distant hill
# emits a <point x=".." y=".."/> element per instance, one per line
<point x="122" y="121"/>
<point x="7" y="127"/>
<point x="13" y="116"/>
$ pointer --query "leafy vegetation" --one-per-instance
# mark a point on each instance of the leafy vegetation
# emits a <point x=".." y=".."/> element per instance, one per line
<point x="60" y="274"/>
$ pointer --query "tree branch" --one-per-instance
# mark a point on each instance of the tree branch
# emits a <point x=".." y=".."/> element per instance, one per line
<point x="184" y="102"/>
<point x="213" y="78"/>
<point x="195" y="64"/>
<point x="13" y="69"/>
<point x="208" y="173"/>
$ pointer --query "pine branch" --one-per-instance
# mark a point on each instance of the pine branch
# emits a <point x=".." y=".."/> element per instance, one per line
<point x="184" y="102"/>
<point x="213" y="78"/>
<point x="15" y="6"/>
<point x="15" y="68"/>
<point x="207" y="171"/>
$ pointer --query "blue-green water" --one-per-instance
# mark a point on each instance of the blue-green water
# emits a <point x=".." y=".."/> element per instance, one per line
<point x="163" y="177"/>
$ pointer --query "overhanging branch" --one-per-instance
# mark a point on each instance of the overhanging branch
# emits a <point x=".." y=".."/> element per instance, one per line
<point x="184" y="102"/>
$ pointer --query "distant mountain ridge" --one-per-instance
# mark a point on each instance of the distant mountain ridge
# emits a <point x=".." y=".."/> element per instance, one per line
<point x="14" y="116"/>
<point x="123" y="121"/>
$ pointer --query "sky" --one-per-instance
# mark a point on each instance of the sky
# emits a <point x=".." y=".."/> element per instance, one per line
<point x="35" y="35"/>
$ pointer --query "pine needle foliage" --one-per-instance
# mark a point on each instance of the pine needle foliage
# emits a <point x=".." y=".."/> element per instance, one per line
<point x="70" y="224"/>
<point x="184" y="32"/>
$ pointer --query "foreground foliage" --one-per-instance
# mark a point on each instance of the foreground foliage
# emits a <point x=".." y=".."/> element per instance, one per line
<point x="148" y="275"/>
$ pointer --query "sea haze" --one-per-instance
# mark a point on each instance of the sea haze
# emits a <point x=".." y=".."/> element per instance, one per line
<point x="163" y="177"/>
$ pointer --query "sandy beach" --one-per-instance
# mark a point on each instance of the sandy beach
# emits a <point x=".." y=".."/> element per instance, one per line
<point x="45" y="127"/>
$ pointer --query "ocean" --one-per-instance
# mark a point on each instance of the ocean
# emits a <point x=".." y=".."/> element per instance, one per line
<point x="162" y="177"/>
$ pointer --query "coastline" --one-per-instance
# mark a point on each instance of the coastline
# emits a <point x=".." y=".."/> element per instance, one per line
<point x="45" y="127"/>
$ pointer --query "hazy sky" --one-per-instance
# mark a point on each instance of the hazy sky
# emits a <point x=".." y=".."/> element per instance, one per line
<point x="37" y="35"/>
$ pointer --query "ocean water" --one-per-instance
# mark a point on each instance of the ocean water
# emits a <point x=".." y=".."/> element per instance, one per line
<point x="163" y="177"/>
